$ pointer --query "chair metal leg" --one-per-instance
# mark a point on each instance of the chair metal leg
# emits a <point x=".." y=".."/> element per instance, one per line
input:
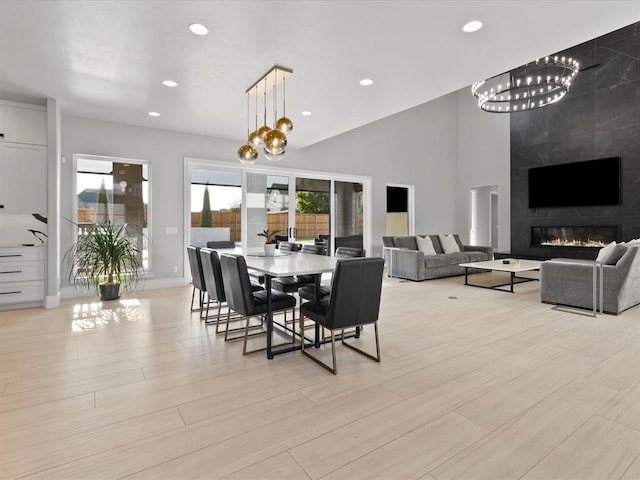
<point x="218" y="317"/>
<point x="366" y="354"/>
<point x="247" y="335"/>
<point x="333" y="369"/>
<point x="193" y="297"/>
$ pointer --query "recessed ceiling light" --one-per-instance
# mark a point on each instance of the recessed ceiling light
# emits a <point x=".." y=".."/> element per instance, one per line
<point x="170" y="83"/>
<point x="198" y="29"/>
<point x="472" y="26"/>
<point x="365" y="82"/>
<point x="154" y="114"/>
<point x="306" y="113"/>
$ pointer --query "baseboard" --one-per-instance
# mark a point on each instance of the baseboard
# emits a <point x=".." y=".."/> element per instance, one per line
<point x="52" y="301"/>
<point x="149" y="284"/>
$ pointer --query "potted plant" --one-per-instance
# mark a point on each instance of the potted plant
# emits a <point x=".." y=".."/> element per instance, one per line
<point x="270" y="241"/>
<point x="104" y="260"/>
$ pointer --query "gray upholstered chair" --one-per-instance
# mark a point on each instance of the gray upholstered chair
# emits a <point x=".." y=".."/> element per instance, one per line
<point x="354" y="301"/>
<point x="243" y="300"/>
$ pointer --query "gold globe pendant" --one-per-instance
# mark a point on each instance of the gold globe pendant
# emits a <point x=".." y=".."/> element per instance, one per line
<point x="274" y="157"/>
<point x="284" y="124"/>
<point x="254" y="139"/>
<point x="262" y="131"/>
<point x="247" y="154"/>
<point x="275" y="141"/>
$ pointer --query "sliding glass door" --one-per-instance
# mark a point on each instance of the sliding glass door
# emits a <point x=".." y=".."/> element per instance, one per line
<point x="313" y="210"/>
<point x="305" y="207"/>
<point x="216" y="210"/>
<point x="349" y="219"/>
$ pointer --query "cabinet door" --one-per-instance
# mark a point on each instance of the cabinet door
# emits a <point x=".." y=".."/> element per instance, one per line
<point x="25" y="125"/>
<point x="23" y="178"/>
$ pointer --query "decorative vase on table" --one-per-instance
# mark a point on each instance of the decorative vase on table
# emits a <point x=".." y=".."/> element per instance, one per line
<point x="270" y="244"/>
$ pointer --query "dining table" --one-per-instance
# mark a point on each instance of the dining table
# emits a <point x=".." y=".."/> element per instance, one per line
<point x="285" y="264"/>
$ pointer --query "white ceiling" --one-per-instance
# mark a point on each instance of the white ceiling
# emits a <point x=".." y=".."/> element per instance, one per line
<point x="107" y="59"/>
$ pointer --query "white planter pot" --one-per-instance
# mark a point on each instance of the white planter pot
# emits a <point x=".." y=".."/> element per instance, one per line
<point x="269" y="249"/>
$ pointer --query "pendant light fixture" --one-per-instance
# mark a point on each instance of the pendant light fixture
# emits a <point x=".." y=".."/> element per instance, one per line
<point x="272" y="139"/>
<point x="283" y="123"/>
<point x="262" y="131"/>
<point x="533" y="85"/>
<point x="247" y="153"/>
<point x="254" y="137"/>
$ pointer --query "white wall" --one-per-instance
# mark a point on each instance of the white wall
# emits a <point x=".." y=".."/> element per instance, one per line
<point x="484" y="158"/>
<point x="415" y="147"/>
<point x="443" y="147"/>
<point x="166" y="151"/>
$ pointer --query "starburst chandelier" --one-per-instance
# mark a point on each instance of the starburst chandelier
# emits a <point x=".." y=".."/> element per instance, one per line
<point x="533" y="85"/>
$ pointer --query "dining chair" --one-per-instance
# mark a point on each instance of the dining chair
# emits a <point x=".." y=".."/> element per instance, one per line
<point x="214" y="283"/>
<point x="197" y="278"/>
<point x="349" y="252"/>
<point x="246" y="302"/>
<point x="288" y="246"/>
<point x="290" y="284"/>
<point x="356" y="287"/>
<point x="221" y="244"/>
<point x="308" y="292"/>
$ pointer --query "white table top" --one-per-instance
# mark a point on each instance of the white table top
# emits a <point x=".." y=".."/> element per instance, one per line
<point x="291" y="263"/>
<point x="524" y="265"/>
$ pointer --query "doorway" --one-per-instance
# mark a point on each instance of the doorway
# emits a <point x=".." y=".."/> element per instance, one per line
<point x="493" y="221"/>
<point x="400" y="217"/>
<point x="483" y="215"/>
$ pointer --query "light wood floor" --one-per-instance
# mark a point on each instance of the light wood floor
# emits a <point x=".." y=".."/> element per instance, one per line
<point x="473" y="384"/>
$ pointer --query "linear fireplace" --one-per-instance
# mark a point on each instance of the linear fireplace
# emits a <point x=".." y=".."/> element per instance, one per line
<point x="581" y="237"/>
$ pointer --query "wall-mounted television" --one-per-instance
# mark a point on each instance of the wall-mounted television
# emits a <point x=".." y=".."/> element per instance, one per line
<point x="577" y="184"/>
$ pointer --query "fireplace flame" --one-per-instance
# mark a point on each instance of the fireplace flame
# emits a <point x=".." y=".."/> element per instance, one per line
<point x="573" y="242"/>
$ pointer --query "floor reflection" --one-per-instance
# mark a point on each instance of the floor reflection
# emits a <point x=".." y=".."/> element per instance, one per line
<point x="94" y="315"/>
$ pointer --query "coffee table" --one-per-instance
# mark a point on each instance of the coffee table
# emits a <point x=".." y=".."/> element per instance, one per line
<point x="513" y="267"/>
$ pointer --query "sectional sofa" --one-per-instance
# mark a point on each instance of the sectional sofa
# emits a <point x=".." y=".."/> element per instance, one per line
<point x="410" y="262"/>
<point x="570" y="282"/>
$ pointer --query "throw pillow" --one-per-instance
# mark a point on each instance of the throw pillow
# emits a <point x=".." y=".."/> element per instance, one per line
<point x="449" y="244"/>
<point x="425" y="245"/>
<point x="615" y="254"/>
<point x="604" y="251"/>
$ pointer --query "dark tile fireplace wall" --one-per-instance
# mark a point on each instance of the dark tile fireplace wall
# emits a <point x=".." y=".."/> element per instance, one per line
<point x="600" y="117"/>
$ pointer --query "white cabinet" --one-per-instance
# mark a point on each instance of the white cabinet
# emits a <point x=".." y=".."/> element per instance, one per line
<point x="23" y="178"/>
<point x="23" y="125"/>
<point x="21" y="277"/>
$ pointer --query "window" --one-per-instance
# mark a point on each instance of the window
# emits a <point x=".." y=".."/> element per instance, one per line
<point x="116" y="190"/>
